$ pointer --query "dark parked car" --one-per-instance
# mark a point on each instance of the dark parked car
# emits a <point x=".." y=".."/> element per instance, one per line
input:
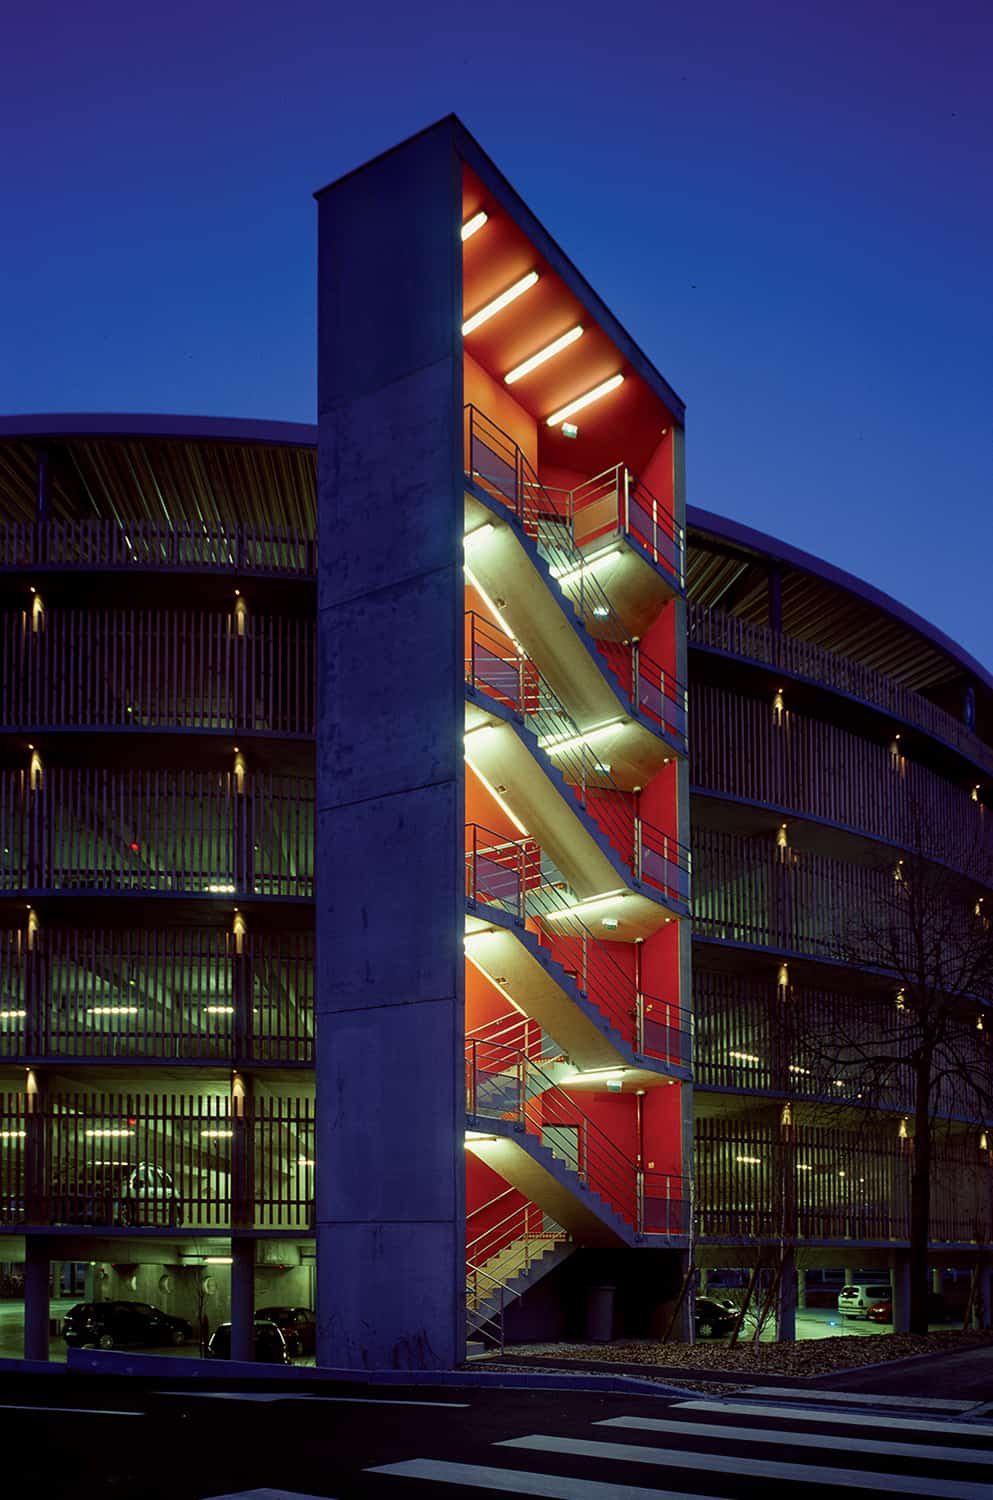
<point x="713" y="1319"/>
<point x="937" y="1310"/>
<point x="110" y="1324"/>
<point x="119" y="1194"/>
<point x="269" y="1343"/>
<point x="298" y="1325"/>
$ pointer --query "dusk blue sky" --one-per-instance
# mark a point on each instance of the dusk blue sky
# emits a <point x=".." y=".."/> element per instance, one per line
<point x="790" y="207"/>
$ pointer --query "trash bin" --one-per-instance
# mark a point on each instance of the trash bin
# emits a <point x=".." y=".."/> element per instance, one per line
<point x="600" y="1314"/>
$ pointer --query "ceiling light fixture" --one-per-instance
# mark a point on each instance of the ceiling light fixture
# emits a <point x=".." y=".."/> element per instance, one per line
<point x="591" y="904"/>
<point x="594" y="395"/>
<point x="471" y="226"/>
<point x="499" y="303"/>
<point x="549" y="351"/>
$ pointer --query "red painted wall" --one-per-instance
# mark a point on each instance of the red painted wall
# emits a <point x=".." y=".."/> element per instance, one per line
<point x="494" y="400"/>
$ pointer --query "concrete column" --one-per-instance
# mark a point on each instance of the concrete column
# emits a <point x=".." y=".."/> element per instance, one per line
<point x="801" y="1289"/>
<point x="36" y="1303"/>
<point x="984" y="1296"/>
<point x="56" y="1278"/>
<point x="683" y="1326"/>
<point x="849" y="1276"/>
<point x="242" y="1299"/>
<point x="242" y="1152"/>
<point x="900" y="1283"/>
<point x="703" y="1282"/>
<point x="390" y="1176"/>
<point x="936" y="1280"/>
<point x="786" y="1299"/>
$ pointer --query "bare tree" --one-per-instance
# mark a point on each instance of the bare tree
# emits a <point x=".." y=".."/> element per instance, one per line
<point x="921" y="1034"/>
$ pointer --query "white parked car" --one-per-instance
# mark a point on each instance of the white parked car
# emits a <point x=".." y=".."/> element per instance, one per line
<point x="854" y="1301"/>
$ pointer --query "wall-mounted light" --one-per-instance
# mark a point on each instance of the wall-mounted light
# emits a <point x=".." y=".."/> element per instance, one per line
<point x="749" y="1161"/>
<point x="474" y="225"/>
<point x="549" y="352"/>
<point x="778" y="706"/>
<point x="512" y="293"/>
<point x="580" y="402"/>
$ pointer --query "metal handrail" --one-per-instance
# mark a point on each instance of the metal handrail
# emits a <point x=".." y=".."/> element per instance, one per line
<point x="500" y="668"/>
<point x="511" y="875"/>
<point x="616" y="501"/>
<point x="502" y="1083"/>
<point x="496" y="464"/>
<point x="110" y="544"/>
<point x="512" y="679"/>
<point x="717" y="630"/>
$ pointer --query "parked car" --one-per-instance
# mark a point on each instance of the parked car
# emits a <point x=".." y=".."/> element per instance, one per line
<point x="139" y="1194"/>
<point x="268" y="1342"/>
<point x="110" y="1324"/>
<point x="937" y="1310"/>
<point x="854" y="1301"/>
<point x="713" y="1319"/>
<point x="297" y="1324"/>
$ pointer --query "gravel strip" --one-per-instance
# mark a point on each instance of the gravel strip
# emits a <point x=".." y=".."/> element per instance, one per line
<point x="799" y="1360"/>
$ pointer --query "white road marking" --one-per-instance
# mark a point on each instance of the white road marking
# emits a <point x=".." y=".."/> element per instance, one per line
<point x="857" y="1398"/>
<point x="524" y="1482"/>
<point x="720" y="1463"/>
<point x="267" y="1495"/>
<point x="79" y="1411"/>
<point x="836" y="1418"/>
<point x="370" y="1401"/>
<point x="780" y="1439"/>
<point x="305" y="1396"/>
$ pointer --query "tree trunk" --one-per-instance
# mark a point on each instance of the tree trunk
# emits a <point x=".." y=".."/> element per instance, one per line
<point x="920" y="1198"/>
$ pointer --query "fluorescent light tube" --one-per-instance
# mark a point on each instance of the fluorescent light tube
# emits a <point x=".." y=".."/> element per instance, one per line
<point x="548" y="352"/>
<point x="591" y="905"/>
<point x="499" y="303"/>
<point x="587" y="400"/>
<point x="470" y="227"/>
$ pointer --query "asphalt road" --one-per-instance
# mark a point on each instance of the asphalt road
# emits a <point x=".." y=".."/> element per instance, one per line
<point x="146" y="1440"/>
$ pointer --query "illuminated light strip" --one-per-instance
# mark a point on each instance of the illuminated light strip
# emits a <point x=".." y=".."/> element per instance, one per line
<point x="218" y="1010"/>
<point x="554" y="747"/>
<point x="498" y="617"/>
<point x="473" y="225"/>
<point x="587" y="400"/>
<point x="216" y="1135"/>
<point x="112" y="1010"/>
<point x="12" y="1015"/>
<point x="477" y="533"/>
<point x="569" y="574"/>
<point x="99" y="1134"/>
<point x="597" y="1073"/>
<point x="478" y="1135"/>
<point x="606" y="899"/>
<point x="498" y="799"/>
<point x="12" y="1135"/>
<point x="495" y="983"/>
<point x="499" y="303"/>
<point x="550" y="350"/>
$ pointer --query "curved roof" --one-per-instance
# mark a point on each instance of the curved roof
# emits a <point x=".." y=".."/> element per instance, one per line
<point x="730" y="573"/>
<point x="729" y="569"/>
<point x="158" y="425"/>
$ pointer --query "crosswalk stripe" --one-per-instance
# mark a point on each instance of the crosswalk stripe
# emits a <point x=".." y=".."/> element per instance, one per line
<point x="783" y="1439"/>
<point x="267" y="1495"/>
<point x="524" y="1482"/>
<point x="862" y="1479"/>
<point x="857" y="1398"/>
<point x="835" y="1418"/>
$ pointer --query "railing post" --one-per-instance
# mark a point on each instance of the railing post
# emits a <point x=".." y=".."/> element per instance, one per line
<point x="637" y="847"/>
<point x="640" y="1190"/>
<point x="625" y="519"/>
<point x="636" y="675"/>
